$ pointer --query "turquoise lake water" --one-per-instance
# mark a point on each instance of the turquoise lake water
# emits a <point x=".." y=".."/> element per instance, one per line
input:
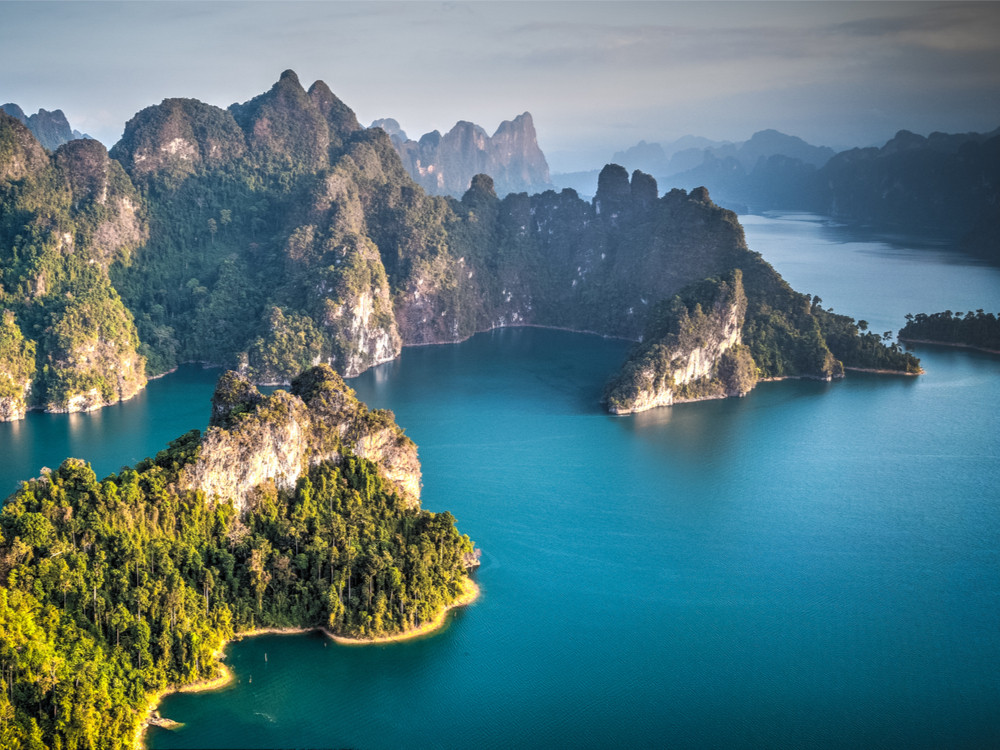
<point x="814" y="565"/>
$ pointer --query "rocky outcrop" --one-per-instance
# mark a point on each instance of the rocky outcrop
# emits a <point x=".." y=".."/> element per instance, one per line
<point x="178" y="137"/>
<point x="20" y="152"/>
<point x="693" y="351"/>
<point x="92" y="355"/>
<point x="254" y="439"/>
<point x="82" y="214"/>
<point x="50" y="128"/>
<point x="445" y="165"/>
<point x="17" y="368"/>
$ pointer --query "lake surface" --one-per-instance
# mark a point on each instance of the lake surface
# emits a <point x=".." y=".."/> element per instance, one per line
<point x="812" y="565"/>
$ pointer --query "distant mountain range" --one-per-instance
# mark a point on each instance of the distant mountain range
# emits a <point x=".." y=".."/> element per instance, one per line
<point x="50" y="128"/>
<point x="445" y="164"/>
<point x="945" y="184"/>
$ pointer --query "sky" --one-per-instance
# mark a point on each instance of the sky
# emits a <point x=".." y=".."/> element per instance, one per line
<point x="596" y="76"/>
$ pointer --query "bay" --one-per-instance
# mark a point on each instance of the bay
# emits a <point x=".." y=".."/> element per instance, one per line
<point x="812" y="565"/>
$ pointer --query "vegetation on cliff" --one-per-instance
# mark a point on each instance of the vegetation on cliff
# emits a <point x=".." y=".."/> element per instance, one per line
<point x="279" y="234"/>
<point x="112" y="590"/>
<point x="978" y="329"/>
<point x="65" y="219"/>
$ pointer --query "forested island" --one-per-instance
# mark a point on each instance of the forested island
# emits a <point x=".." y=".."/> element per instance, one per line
<point x="975" y="330"/>
<point x="114" y="590"/>
<point x="279" y="233"/>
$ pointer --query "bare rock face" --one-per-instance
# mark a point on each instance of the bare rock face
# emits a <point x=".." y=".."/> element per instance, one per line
<point x="698" y="354"/>
<point x="258" y="439"/>
<point x="445" y="165"/>
<point x="100" y="187"/>
<point x="93" y="356"/>
<point x="50" y="128"/>
<point x="17" y="368"/>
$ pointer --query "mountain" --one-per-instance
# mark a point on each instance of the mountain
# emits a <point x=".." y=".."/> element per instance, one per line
<point x="278" y="234"/>
<point x="758" y="172"/>
<point x="947" y="184"/>
<point x="445" y="165"/>
<point x="67" y="343"/>
<point x="116" y="591"/>
<point x="50" y="128"/>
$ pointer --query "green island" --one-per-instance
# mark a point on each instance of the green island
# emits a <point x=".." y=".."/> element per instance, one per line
<point x="116" y="591"/>
<point x="974" y="330"/>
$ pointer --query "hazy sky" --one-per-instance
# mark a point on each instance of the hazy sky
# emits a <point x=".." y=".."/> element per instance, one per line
<point x="596" y="76"/>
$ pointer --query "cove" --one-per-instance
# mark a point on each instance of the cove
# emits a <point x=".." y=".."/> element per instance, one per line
<point x="812" y="565"/>
<point x="815" y="564"/>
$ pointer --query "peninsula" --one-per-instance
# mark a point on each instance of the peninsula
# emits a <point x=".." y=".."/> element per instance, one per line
<point x="114" y="592"/>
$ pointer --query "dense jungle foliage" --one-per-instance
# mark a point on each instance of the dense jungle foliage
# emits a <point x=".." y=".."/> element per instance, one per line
<point x="279" y="233"/>
<point x="975" y="329"/>
<point x="113" y="589"/>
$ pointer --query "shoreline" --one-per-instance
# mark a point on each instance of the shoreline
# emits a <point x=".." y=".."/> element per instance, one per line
<point x="226" y="677"/>
<point x="876" y="371"/>
<point x="952" y="344"/>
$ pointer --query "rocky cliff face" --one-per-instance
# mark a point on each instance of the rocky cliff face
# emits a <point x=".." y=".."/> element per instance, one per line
<point x="72" y="215"/>
<point x="445" y="165"/>
<point x="254" y="439"/>
<point x="692" y="351"/>
<point x="50" y="128"/>
<point x="17" y="368"/>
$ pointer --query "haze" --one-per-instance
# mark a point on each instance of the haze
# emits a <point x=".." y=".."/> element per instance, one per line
<point x="597" y="76"/>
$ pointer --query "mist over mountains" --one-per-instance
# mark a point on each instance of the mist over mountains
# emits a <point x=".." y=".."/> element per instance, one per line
<point x="52" y="129"/>
<point x="947" y="185"/>
<point x="445" y="164"/>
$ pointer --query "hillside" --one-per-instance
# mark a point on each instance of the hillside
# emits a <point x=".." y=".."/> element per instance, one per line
<point x="279" y="234"/>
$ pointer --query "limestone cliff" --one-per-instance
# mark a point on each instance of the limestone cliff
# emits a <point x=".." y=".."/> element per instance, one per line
<point x="255" y="439"/>
<point x="50" y="128"/>
<point x="693" y="351"/>
<point x="17" y="368"/>
<point x="68" y="217"/>
<point x="445" y="164"/>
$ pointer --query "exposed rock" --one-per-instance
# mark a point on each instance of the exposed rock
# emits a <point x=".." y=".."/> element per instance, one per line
<point x="692" y="352"/>
<point x="277" y="438"/>
<point x="92" y="355"/>
<point x="445" y="165"/>
<point x="17" y="368"/>
<point x="50" y="128"/>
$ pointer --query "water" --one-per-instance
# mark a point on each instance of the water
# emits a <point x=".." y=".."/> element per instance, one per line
<point x="812" y="565"/>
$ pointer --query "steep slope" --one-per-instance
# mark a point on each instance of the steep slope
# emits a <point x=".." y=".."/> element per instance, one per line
<point x="113" y="592"/>
<point x="445" y="165"/>
<point x="50" y="128"/>
<point x="66" y="219"/>
<point x="279" y="234"/>
<point x="253" y="439"/>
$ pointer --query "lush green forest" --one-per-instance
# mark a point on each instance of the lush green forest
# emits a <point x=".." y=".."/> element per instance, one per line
<point x="977" y="329"/>
<point x="113" y="589"/>
<point x="278" y="234"/>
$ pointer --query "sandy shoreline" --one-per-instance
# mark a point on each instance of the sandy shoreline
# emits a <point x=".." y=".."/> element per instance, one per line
<point x="225" y="677"/>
